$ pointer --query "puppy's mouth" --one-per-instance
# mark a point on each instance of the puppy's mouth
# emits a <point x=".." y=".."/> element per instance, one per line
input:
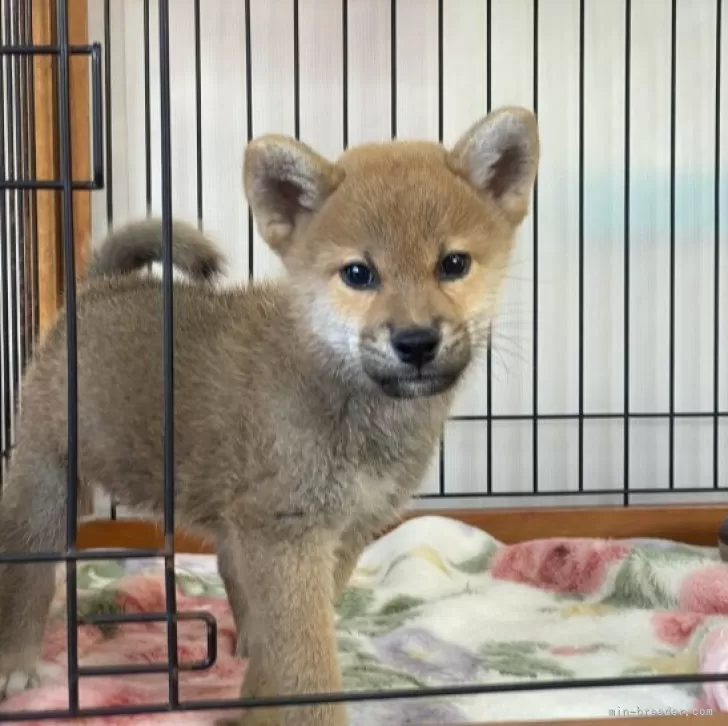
<point x="417" y="385"/>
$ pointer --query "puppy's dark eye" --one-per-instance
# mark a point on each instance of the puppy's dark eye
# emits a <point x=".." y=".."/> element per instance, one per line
<point x="454" y="266"/>
<point x="359" y="276"/>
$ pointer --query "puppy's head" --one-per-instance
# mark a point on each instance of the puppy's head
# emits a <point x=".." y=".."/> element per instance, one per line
<point x="397" y="251"/>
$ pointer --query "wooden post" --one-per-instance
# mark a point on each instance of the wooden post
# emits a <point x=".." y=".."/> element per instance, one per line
<point x="50" y="251"/>
<point x="80" y="133"/>
<point x="50" y="241"/>
<point x="46" y="144"/>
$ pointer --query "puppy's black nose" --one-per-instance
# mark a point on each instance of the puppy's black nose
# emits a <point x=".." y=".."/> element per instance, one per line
<point x="416" y="346"/>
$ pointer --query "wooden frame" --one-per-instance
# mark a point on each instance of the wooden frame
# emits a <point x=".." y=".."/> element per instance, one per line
<point x="696" y="525"/>
<point x="50" y="252"/>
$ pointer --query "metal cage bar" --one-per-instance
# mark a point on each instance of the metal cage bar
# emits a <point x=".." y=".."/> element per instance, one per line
<point x="626" y="283"/>
<point x="716" y="243"/>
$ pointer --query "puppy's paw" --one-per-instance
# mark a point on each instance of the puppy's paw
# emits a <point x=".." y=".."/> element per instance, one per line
<point x="16" y="681"/>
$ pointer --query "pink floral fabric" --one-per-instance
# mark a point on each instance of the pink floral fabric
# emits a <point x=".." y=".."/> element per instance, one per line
<point x="561" y="565"/>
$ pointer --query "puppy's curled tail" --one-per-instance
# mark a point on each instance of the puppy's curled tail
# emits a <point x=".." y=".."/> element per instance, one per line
<point x="137" y="244"/>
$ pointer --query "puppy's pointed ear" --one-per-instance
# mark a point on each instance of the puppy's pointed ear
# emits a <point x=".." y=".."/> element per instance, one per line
<point x="285" y="183"/>
<point x="499" y="157"/>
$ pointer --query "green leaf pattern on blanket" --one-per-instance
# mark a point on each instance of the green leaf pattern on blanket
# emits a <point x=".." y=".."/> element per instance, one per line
<point x="99" y="573"/>
<point x="102" y="603"/>
<point x="400" y="605"/>
<point x="637" y="583"/>
<point x="478" y="563"/>
<point x="523" y="659"/>
<point x="355" y="602"/>
<point x="391" y="616"/>
<point x="190" y="583"/>
<point x="364" y="672"/>
<point x="357" y="610"/>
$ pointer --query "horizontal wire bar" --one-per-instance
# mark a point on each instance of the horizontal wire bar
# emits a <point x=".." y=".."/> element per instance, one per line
<point x="591" y="416"/>
<point x="90" y="185"/>
<point x="395" y="694"/>
<point x="10" y="558"/>
<point x="144" y="669"/>
<point x="647" y="415"/>
<point x="145" y="617"/>
<point x="572" y="493"/>
<point x="46" y="49"/>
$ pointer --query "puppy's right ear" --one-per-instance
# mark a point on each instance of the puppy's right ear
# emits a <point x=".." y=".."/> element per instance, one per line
<point x="285" y="182"/>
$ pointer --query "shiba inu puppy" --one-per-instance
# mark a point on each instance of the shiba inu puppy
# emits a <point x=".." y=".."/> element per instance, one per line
<point x="307" y="409"/>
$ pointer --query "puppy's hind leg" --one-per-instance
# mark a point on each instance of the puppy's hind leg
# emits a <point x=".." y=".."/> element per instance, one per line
<point x="32" y="520"/>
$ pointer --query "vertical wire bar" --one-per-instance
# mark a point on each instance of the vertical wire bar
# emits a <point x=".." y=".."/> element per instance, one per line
<point x="19" y="273"/>
<point x="716" y="242"/>
<point x="12" y="221"/>
<point x="8" y="218"/>
<point x="345" y="61"/>
<point x="15" y="143"/>
<point x="109" y="181"/>
<point x="296" y="74"/>
<point x="249" y="115"/>
<point x="24" y="143"/>
<point x="198" y="110"/>
<point x="168" y="353"/>
<point x="440" y="71"/>
<point x="582" y="44"/>
<point x="107" y="112"/>
<point x="21" y="147"/>
<point x="147" y="140"/>
<point x="17" y="257"/>
<point x="440" y="138"/>
<point x="16" y="251"/>
<point x="535" y="261"/>
<point x="393" y="60"/>
<point x="96" y="112"/>
<point x="4" y="196"/>
<point x="627" y="180"/>
<point x="33" y="174"/>
<point x="64" y="106"/>
<point x="489" y="355"/>
<point x="147" y="112"/>
<point x="673" y="131"/>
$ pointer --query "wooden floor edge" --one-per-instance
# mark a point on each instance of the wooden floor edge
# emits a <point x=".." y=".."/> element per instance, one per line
<point x="696" y="525"/>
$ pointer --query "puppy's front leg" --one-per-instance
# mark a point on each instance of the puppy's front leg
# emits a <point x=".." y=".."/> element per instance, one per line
<point x="229" y="556"/>
<point x="290" y="630"/>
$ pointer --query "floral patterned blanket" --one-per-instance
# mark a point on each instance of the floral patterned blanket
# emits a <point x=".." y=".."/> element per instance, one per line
<point x="435" y="603"/>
